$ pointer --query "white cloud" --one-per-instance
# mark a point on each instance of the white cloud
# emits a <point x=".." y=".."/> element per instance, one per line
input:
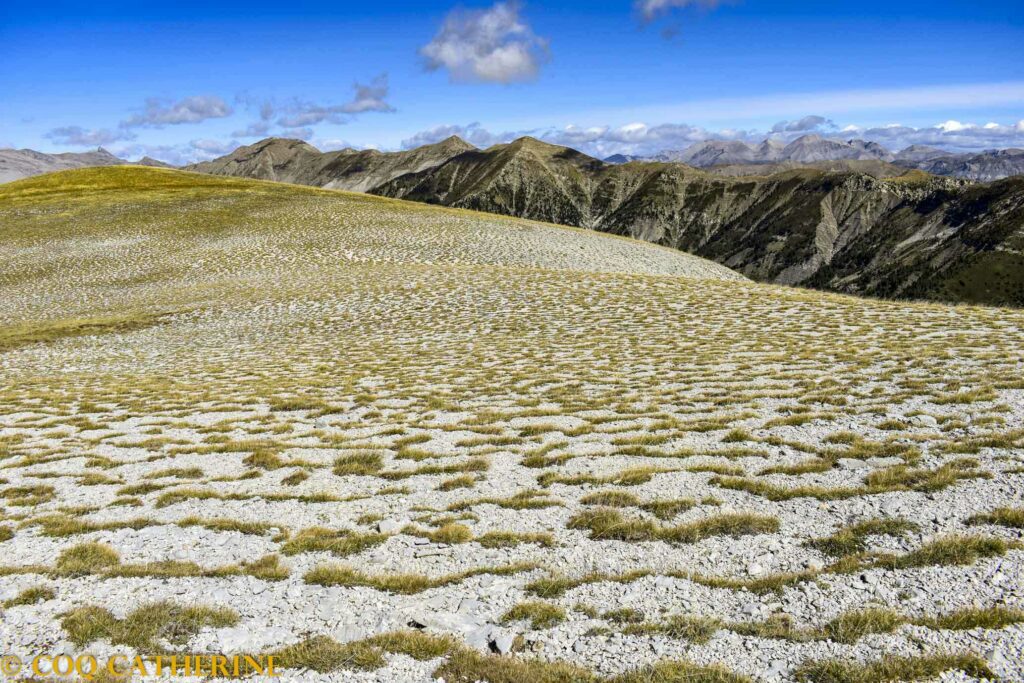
<point x="265" y="109"/>
<point x="368" y="97"/>
<point x="805" y="125"/>
<point x="216" y="147"/>
<point x="257" y="129"/>
<point x="652" y="9"/>
<point x="81" y="137"/>
<point x="196" y="109"/>
<point x="951" y="135"/>
<point x="492" y="45"/>
<point x="300" y="133"/>
<point x="473" y="133"/>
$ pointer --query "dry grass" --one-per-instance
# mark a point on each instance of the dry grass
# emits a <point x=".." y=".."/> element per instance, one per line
<point x="609" y="524"/>
<point x="1005" y="516"/>
<point x="406" y="584"/>
<point x="541" y="615"/>
<point x="145" y="627"/>
<point x="889" y="669"/>
<point x="340" y="542"/>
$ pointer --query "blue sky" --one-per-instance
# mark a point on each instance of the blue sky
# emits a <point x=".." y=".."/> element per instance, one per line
<point x="189" y="80"/>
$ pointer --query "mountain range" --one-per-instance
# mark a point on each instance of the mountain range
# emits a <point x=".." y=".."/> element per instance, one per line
<point x="22" y="163"/>
<point x="791" y="214"/>
<point x="726" y="156"/>
<point x="914" y="235"/>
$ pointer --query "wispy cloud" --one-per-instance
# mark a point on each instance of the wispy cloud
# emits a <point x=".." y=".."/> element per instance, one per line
<point x="653" y="9"/>
<point x="256" y="129"/>
<point x="805" y="125"/>
<point x="493" y="45"/>
<point x="833" y="104"/>
<point x="371" y="97"/>
<point x="158" y="113"/>
<point x="77" y="136"/>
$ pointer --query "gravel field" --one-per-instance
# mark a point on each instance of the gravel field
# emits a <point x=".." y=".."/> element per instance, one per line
<point x="244" y="417"/>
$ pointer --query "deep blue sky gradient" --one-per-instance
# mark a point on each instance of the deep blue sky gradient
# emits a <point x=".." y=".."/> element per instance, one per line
<point x="93" y="65"/>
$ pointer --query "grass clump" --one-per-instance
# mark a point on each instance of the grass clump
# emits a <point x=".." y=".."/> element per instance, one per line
<point x="610" y="524"/>
<point x="472" y="465"/>
<point x="904" y="477"/>
<point x="524" y="500"/>
<point x="510" y="539"/>
<point x="364" y="464"/>
<point x="468" y="666"/>
<point x="451" y="533"/>
<point x="947" y="551"/>
<point x="31" y="596"/>
<point x="680" y="672"/>
<point x="850" y="627"/>
<point x="896" y="478"/>
<point x="633" y="476"/>
<point x="145" y="627"/>
<point x="295" y="478"/>
<point x="624" y="615"/>
<point x="681" y="627"/>
<point x="86" y="558"/>
<point x="891" y="669"/>
<point x="851" y="539"/>
<point x="266" y="568"/>
<point x="324" y="654"/>
<point x="175" y="472"/>
<point x="738" y="435"/>
<point x="405" y="584"/>
<point x="540" y="614"/>
<point x="668" y="509"/>
<point x="1004" y="516"/>
<point x="611" y="498"/>
<point x="26" y="496"/>
<point x="226" y="524"/>
<point x="995" y="617"/>
<point x="339" y="542"/>
<point x="464" y="481"/>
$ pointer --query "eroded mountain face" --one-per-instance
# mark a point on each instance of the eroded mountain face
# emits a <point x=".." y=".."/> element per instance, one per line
<point x="911" y="236"/>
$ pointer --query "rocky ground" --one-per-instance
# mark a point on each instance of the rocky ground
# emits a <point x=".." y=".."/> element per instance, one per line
<point x="242" y="417"/>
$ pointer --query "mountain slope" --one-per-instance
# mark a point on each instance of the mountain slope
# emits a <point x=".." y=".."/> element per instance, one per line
<point x="986" y="166"/>
<point x="295" y="161"/>
<point x="830" y="224"/>
<point x="24" y="163"/>
<point x="308" y="224"/>
<point x="815" y="149"/>
<point x="830" y="230"/>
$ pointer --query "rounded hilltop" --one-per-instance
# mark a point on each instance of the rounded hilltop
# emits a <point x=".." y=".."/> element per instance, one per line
<point x="357" y="227"/>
